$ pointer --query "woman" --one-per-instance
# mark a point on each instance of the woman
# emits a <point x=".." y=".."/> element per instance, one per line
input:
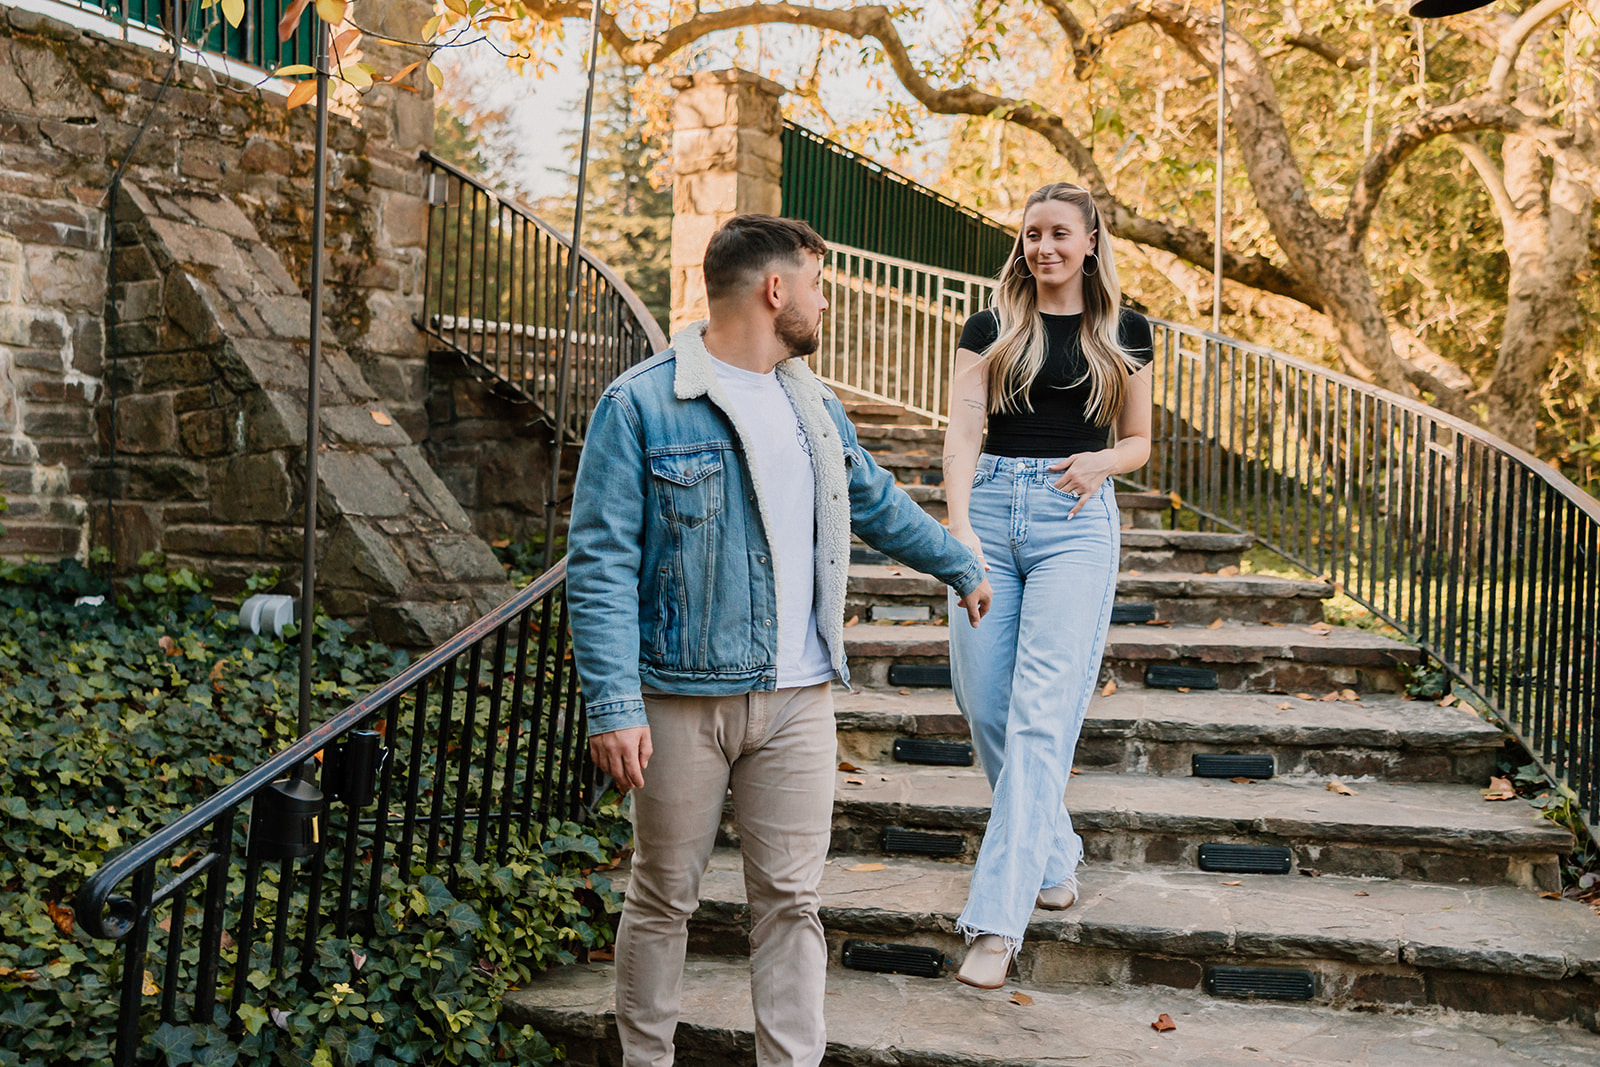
<point x="1051" y="367"/>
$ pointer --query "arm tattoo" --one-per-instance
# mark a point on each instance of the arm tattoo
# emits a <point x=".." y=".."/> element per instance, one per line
<point x="974" y="404"/>
<point x="949" y="460"/>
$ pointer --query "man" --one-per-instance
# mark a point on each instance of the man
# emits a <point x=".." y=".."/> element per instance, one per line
<point x="707" y="561"/>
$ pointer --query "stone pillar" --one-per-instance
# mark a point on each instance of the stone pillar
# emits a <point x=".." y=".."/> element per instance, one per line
<point x="727" y="159"/>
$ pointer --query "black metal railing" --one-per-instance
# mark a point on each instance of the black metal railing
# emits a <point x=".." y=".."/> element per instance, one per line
<point x="253" y="41"/>
<point x="1479" y="553"/>
<point x="496" y="295"/>
<point x="480" y="739"/>
<point x="850" y="200"/>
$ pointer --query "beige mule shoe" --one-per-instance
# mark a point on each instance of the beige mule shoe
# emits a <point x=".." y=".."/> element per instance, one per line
<point x="1058" y="897"/>
<point x="988" y="962"/>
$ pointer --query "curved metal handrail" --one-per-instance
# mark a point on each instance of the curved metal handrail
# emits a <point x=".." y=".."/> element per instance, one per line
<point x="98" y="892"/>
<point x="652" y="328"/>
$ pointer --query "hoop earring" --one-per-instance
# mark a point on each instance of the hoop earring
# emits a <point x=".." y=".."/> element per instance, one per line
<point x="1024" y="271"/>
<point x="1090" y="258"/>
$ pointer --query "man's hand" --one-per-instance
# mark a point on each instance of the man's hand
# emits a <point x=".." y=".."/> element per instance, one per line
<point x="977" y="602"/>
<point x="624" y="754"/>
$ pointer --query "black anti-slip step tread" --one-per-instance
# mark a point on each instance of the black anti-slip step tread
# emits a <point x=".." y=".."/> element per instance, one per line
<point x="1246" y="859"/>
<point x="898" y="839"/>
<point x="1132" y="612"/>
<point x="1229" y="765"/>
<point x="1166" y="676"/>
<point x="884" y="958"/>
<point x="935" y="675"/>
<point x="1261" y="983"/>
<point x="933" y="753"/>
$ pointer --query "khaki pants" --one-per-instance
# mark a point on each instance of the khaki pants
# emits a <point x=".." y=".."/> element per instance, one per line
<point x="776" y="751"/>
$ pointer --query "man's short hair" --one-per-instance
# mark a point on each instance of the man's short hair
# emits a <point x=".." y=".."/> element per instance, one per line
<point x="746" y="247"/>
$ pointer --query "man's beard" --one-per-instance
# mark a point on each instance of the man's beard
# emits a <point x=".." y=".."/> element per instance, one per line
<point x="800" y="338"/>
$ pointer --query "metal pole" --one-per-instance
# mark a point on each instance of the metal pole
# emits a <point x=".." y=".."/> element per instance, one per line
<point x="1222" y="140"/>
<point x="552" y="498"/>
<point x="308" y="574"/>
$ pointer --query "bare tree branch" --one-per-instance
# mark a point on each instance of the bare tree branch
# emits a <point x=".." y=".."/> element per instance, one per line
<point x="1491" y="177"/>
<point x="1066" y="20"/>
<point x="1511" y="42"/>
<point x="1310" y="42"/>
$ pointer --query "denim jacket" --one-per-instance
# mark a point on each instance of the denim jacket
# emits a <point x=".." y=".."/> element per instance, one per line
<point x="670" y="581"/>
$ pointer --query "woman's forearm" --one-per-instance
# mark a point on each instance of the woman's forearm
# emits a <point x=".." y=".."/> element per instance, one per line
<point x="961" y="444"/>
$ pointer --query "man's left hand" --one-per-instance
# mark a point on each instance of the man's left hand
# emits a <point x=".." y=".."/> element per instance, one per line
<point x="977" y="602"/>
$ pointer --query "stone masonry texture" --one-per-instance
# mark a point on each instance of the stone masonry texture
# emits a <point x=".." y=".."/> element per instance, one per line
<point x="185" y="351"/>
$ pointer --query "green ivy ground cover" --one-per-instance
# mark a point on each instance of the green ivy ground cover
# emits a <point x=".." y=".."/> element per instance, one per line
<point x="115" y="718"/>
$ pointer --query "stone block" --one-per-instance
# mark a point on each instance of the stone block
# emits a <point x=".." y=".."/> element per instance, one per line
<point x="270" y="268"/>
<point x="354" y="425"/>
<point x="49" y="87"/>
<point x="41" y="420"/>
<point x="146" y="425"/>
<point x="419" y="624"/>
<point x="133" y="263"/>
<point x="353" y="483"/>
<point x="252" y="489"/>
<point x="56" y="391"/>
<point x="47" y="330"/>
<point x="213" y="540"/>
<point x="396" y="378"/>
<point x="359" y="557"/>
<point x="403" y="221"/>
<point x="286" y="317"/>
<point x="172" y="370"/>
<point x="220" y="213"/>
<point x="439" y="498"/>
<point x="137" y="300"/>
<point x="272" y="420"/>
<point x="198" y="310"/>
<point x="64" y="277"/>
<point x="390" y="329"/>
<point x="465" y="558"/>
<point x="88" y="344"/>
<point x="189" y="244"/>
<point x="209" y="432"/>
<point x="47" y="539"/>
<point x="160" y="478"/>
<point x="45" y="223"/>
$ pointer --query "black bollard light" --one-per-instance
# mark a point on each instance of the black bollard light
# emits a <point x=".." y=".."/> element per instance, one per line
<point x="350" y="767"/>
<point x="286" y="820"/>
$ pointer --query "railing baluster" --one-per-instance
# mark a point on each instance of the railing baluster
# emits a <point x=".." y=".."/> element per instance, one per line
<point x="214" y="920"/>
<point x="447" y="697"/>
<point x="491" y="746"/>
<point x="380" y="826"/>
<point x="469" y="719"/>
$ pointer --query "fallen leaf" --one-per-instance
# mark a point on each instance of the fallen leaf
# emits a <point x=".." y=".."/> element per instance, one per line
<point x="1163" y="1023"/>
<point x="866" y="867"/>
<point x="854" y="781"/>
<point x="1285" y="707"/>
<point x="1109" y="688"/>
<point x="852" y="620"/>
<point x="1233" y="883"/>
<point x="1214" y="624"/>
<point x="1022" y="998"/>
<point x="504" y="542"/>
<point x="150" y="988"/>
<point x="1349" y="696"/>
<point x="1362" y="893"/>
<point x="1132" y="574"/>
<point x="1242" y="780"/>
<point x="1270" y="622"/>
<point x="1500" y="789"/>
<point x="1447" y="700"/>
<point x="1158" y="622"/>
<point x="61" y="915"/>
<point x="905" y="692"/>
<point x="381" y="418"/>
<point x="1339" y="787"/>
<point x="1304" y="696"/>
<point x="1227" y="572"/>
<point x="1177" y="501"/>
<point x="845" y="765"/>
<point x="1184" y="689"/>
<point x="1550" y="896"/>
<point x="1310" y="872"/>
<point x="167" y="644"/>
<point x="602" y="955"/>
<point x="1328" y="698"/>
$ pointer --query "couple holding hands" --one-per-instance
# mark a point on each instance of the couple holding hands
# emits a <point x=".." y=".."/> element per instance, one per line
<point x="708" y="555"/>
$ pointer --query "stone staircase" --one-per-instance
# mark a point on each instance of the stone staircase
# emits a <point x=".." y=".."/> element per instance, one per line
<point x="1398" y="894"/>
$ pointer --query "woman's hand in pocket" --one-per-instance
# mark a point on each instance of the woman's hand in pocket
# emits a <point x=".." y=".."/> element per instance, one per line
<point x="1083" y="474"/>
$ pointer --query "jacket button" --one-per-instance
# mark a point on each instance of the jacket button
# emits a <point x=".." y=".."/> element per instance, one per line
<point x="761" y="559"/>
<point x="769" y="622"/>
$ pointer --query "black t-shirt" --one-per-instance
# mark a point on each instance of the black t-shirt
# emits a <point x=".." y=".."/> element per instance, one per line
<point x="1057" y="426"/>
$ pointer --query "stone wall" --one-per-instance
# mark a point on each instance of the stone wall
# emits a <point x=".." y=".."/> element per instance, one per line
<point x="218" y="195"/>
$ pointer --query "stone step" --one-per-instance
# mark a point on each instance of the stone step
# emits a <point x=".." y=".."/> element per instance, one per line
<point x="884" y="1019"/>
<point x="1154" y="731"/>
<point x="880" y="439"/>
<point x="1175" y="597"/>
<point x="1187" y="551"/>
<point x="1424" y="831"/>
<point x="1253" y="658"/>
<point x="1144" y="511"/>
<point x="881" y="413"/>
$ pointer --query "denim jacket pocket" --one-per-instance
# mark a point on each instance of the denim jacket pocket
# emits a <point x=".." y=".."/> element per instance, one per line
<point x="689" y="484"/>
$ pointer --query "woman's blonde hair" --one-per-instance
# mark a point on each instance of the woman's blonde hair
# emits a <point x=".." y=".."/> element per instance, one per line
<point x="1018" y="353"/>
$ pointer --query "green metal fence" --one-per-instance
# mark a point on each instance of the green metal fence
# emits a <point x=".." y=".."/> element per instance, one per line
<point x="253" y="41"/>
<point x="850" y="200"/>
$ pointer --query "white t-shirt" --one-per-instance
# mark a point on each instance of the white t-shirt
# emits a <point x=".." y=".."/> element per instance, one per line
<point x="776" y="449"/>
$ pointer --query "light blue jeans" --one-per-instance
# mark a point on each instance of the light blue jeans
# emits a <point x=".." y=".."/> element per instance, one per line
<point x="1024" y="678"/>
